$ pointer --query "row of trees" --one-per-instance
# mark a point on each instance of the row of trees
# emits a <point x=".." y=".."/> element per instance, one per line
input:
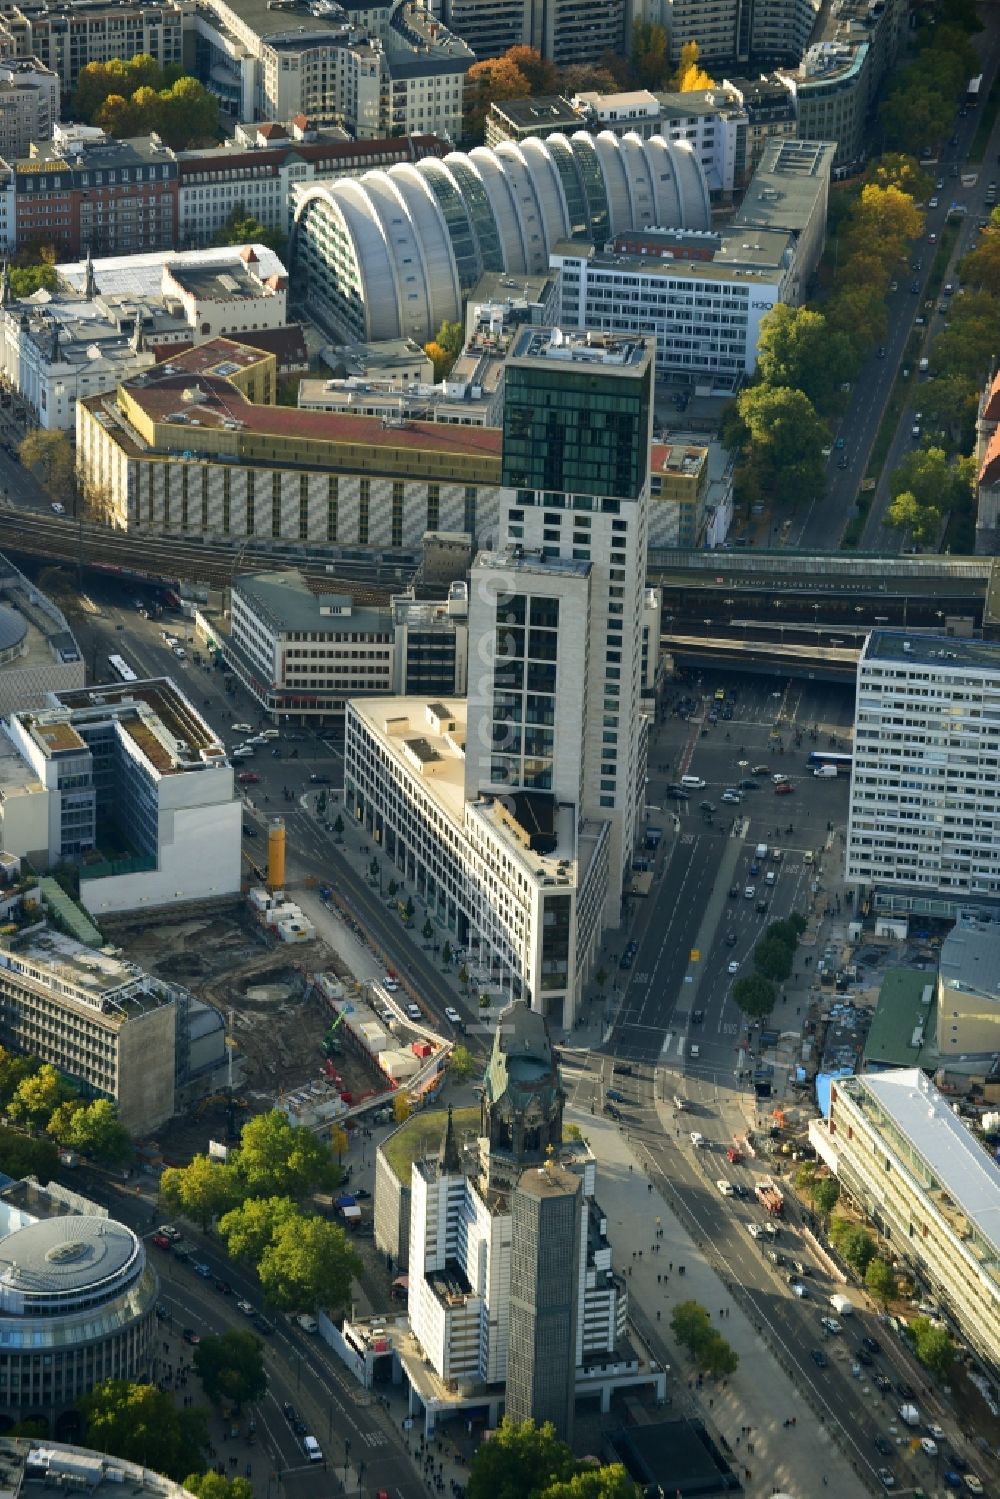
<point x="859" y="1249"/>
<point x="692" y="1327"/>
<point x="925" y="487"/>
<point x="773" y="957"/>
<point x="36" y="1096"/>
<point x="806" y="356"/>
<point x="525" y="1461"/>
<point x="137" y="96"/>
<point x="919" y="107"/>
<point x="521" y="72"/>
<point x="302" y="1260"/>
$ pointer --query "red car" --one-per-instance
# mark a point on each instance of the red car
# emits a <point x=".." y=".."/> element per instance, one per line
<point x="161" y="1241"/>
<point x="784" y="788"/>
<point x="248" y="778"/>
<point x="733" y="1155"/>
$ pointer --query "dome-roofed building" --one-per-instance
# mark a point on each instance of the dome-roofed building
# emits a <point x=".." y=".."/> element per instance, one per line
<point x="13" y="630"/>
<point x="77" y="1302"/>
<point x="522" y="1100"/>
<point x="394" y="253"/>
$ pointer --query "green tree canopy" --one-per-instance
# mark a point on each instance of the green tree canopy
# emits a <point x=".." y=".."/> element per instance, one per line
<point x="138" y="97"/>
<point x="880" y="1280"/>
<point x="520" y="1461"/>
<point x="933" y="1347"/>
<point x="853" y="1242"/>
<point x="21" y="1156"/>
<point x="241" y="228"/>
<point x="202" y="1190"/>
<point x="249" y="1228"/>
<point x="213" y="1485"/>
<point x="461" y="1063"/>
<point x="25" y="280"/>
<point x="13" y="1070"/>
<point x="609" y="1482"/>
<point x="905" y="513"/>
<point x="231" y="1367"/>
<point x="94" y="1129"/>
<point x="37" y="1097"/>
<point x="309" y="1263"/>
<point x="826" y="1195"/>
<point x="796" y="349"/>
<point x="773" y="960"/>
<point x="788" y="439"/>
<point x="693" y="1329"/>
<point x="276" y="1158"/>
<point x="142" y="1424"/>
<point x="897" y="169"/>
<point x="49" y="456"/>
<point x="755" y="995"/>
<point x="650" y="57"/>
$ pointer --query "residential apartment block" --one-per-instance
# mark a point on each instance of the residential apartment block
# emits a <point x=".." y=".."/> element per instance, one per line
<point x="128" y="783"/>
<point x="200" y="448"/>
<point x="92" y="193"/>
<point x="378" y="69"/>
<point x="924" y="825"/>
<point x="563" y="31"/>
<point x="262" y="178"/>
<point x="101" y="1022"/>
<point x="66" y="35"/>
<point x="29" y="105"/>
<point x="928" y="1186"/>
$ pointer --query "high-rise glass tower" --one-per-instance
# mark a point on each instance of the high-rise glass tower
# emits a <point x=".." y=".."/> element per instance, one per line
<point x="556" y="608"/>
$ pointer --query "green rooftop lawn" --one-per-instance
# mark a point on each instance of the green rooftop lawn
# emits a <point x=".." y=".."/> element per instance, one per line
<point x="422" y="1136"/>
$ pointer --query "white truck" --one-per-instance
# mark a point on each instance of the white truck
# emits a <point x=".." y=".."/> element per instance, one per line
<point x="825" y="770"/>
<point x="842" y="1306"/>
<point x="909" y="1414"/>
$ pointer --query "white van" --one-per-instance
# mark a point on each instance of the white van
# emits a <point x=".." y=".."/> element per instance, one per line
<point x="312" y="1449"/>
<point x="825" y="771"/>
<point x="307" y="1323"/>
<point x="760" y="852"/>
<point x="696" y="783"/>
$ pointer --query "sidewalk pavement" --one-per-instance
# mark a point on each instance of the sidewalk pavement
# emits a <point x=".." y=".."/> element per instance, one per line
<point x="761" y="1394"/>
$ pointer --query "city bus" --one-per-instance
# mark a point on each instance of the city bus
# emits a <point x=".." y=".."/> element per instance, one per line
<point x="830" y="757"/>
<point x="121" y="669"/>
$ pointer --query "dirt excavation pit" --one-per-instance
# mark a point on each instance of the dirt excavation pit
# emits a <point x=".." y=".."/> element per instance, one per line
<point x="262" y="990"/>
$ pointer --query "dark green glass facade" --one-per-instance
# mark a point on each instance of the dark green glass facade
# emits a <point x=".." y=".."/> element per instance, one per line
<point x="576" y="431"/>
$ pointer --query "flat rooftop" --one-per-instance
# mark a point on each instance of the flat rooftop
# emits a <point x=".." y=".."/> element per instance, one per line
<point x="164" y="397"/>
<point x="421" y="1136"/>
<point x="156" y="713"/>
<point x="944" y="652"/>
<point x="956" y="1163"/>
<point x="970" y="959"/>
<point x="744" y="252"/>
<point x="785" y="188"/>
<point x="546" y="112"/>
<point x="86" y="976"/>
<point x="902" y="1029"/>
<point x="607" y="351"/>
<point x="29" y="1466"/>
<point x="142" y="275"/>
<point x="415" y="735"/>
<point x="283" y="600"/>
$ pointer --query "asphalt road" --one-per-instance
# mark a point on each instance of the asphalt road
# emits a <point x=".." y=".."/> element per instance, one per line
<point x="690" y="910"/>
<point x="822" y="523"/>
<point x="301" y="1371"/>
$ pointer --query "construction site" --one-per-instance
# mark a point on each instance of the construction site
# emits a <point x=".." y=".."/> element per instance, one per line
<point x="276" y="1017"/>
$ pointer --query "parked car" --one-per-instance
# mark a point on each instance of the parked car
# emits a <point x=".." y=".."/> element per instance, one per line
<point x="452" y="1015"/>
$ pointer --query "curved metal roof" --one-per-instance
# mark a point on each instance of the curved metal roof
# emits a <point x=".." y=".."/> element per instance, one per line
<point x="418" y="232"/>
<point x="66" y="1257"/>
<point x="13" y="628"/>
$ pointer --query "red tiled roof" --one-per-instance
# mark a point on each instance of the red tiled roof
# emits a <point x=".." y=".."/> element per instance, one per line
<point x="989" y="473"/>
<point x="403" y="148"/>
<point x="991" y="411"/>
<point x="221" y="402"/>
